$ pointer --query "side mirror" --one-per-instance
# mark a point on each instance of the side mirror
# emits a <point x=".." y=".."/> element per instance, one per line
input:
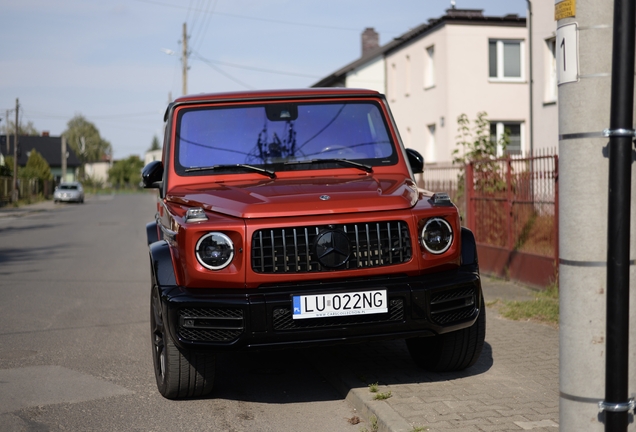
<point x="416" y="160"/>
<point x="152" y="175"/>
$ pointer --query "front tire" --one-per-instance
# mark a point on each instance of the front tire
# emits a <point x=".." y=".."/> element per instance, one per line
<point x="453" y="351"/>
<point x="180" y="373"/>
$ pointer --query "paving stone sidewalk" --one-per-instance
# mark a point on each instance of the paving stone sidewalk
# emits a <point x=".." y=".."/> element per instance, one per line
<point x="513" y="387"/>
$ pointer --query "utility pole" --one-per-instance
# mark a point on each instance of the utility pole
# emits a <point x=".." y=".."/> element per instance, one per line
<point x="184" y="60"/>
<point x="63" y="179"/>
<point x="588" y="197"/>
<point x="15" y="195"/>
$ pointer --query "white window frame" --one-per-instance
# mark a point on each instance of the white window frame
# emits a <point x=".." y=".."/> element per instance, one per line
<point x="551" y="88"/>
<point x="500" y="61"/>
<point x="499" y="131"/>
<point x="407" y="76"/>
<point x="430" y="152"/>
<point x="429" y="68"/>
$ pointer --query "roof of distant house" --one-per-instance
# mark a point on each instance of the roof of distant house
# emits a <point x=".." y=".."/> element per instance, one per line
<point x="49" y="147"/>
<point x="453" y="16"/>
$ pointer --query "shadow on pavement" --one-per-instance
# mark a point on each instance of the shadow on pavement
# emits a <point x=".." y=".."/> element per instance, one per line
<point x="302" y="375"/>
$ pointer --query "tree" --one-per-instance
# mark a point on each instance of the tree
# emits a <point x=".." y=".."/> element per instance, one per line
<point x="126" y="172"/>
<point x="28" y="129"/>
<point x="36" y="167"/>
<point x="155" y="144"/>
<point x="84" y="138"/>
<point x="478" y="146"/>
<point x="6" y="170"/>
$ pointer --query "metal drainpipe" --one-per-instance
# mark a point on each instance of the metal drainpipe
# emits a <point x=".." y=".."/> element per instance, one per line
<point x="530" y="78"/>
<point x="616" y="404"/>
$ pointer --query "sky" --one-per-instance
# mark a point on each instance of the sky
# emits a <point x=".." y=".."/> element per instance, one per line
<point x="118" y="62"/>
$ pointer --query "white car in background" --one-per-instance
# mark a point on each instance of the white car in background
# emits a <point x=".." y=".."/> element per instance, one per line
<point x="69" y="192"/>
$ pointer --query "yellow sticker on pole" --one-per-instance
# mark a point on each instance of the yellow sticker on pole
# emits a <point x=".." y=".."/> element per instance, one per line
<point x="564" y="9"/>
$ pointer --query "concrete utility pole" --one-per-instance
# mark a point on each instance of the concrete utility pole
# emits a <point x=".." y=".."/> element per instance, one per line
<point x="584" y="63"/>
<point x="15" y="195"/>
<point x="184" y="60"/>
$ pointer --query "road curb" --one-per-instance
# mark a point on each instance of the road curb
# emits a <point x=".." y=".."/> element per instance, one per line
<point x="361" y="399"/>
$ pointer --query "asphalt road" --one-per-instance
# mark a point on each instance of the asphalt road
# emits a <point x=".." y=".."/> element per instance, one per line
<point x="75" y="345"/>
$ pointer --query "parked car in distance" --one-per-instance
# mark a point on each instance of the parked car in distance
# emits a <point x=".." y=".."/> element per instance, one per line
<point x="69" y="192"/>
<point x="292" y="218"/>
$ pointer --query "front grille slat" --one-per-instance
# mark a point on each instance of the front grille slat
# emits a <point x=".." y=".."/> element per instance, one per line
<point x="281" y="250"/>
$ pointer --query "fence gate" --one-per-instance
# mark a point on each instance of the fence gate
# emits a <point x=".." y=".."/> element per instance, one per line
<point x="512" y="207"/>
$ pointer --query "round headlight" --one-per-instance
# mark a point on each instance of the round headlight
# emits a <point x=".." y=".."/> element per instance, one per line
<point x="437" y="236"/>
<point x="214" y="251"/>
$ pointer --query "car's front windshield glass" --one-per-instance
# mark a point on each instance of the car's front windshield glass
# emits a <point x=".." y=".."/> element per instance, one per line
<point x="68" y="187"/>
<point x="280" y="136"/>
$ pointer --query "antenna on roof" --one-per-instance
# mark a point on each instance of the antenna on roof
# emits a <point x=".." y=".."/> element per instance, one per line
<point x="452" y="4"/>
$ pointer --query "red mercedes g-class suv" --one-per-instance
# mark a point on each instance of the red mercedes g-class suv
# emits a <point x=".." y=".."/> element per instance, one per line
<point x="292" y="218"/>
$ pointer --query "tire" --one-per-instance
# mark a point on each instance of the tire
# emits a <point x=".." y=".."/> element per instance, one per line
<point x="180" y="373"/>
<point x="453" y="351"/>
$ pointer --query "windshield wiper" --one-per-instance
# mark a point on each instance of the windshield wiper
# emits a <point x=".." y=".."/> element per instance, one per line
<point x="345" y="162"/>
<point x="270" y="174"/>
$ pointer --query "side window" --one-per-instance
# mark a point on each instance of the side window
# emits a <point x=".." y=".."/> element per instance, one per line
<point x="429" y="67"/>
<point x="505" y="60"/>
<point x="550" y="94"/>
<point x="514" y="131"/>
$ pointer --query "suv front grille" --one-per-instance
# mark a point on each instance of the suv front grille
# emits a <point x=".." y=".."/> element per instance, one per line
<point x="291" y="250"/>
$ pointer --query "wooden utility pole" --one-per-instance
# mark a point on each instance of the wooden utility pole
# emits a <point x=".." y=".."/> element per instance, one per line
<point x="15" y="195"/>
<point x="184" y="60"/>
<point x="63" y="179"/>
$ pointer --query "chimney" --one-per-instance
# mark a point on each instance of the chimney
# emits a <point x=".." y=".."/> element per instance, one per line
<point x="370" y="40"/>
<point x="45" y="133"/>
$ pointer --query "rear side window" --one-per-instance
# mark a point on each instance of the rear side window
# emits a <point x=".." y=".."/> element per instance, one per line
<point x="276" y="133"/>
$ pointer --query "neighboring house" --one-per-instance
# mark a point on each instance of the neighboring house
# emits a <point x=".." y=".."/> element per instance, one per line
<point x="51" y="150"/>
<point x="545" y="113"/>
<point x="461" y="63"/>
<point x="152" y="155"/>
<point x="97" y="172"/>
<point x="366" y="72"/>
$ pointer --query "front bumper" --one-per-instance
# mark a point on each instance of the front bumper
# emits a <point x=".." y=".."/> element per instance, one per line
<point x="67" y="197"/>
<point x="224" y="320"/>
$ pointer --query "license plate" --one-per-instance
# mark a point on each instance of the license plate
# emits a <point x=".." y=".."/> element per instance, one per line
<point x="342" y="304"/>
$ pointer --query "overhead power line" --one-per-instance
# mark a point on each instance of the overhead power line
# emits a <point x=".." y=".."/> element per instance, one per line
<point x="252" y="68"/>
<point x="277" y="21"/>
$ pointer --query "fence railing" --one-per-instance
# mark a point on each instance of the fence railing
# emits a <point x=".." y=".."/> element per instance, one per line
<point x="27" y="189"/>
<point x="511" y="205"/>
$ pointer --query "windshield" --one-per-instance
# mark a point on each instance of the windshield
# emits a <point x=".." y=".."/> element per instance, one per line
<point x="279" y="135"/>
<point x="68" y="187"/>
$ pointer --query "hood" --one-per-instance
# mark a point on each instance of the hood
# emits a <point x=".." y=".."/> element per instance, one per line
<point x="300" y="197"/>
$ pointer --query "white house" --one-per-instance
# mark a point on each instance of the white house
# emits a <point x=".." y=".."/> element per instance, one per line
<point x="461" y="63"/>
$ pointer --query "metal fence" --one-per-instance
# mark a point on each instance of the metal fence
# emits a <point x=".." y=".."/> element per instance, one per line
<point x="28" y="189"/>
<point x="511" y="205"/>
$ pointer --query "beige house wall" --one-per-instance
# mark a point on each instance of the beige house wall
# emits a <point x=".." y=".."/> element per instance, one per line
<point x="368" y="76"/>
<point x="544" y="100"/>
<point x="461" y="86"/>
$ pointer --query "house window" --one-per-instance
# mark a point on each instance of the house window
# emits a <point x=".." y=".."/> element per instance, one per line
<point x="514" y="131"/>
<point x="429" y="69"/>
<point x="392" y="79"/>
<point x="407" y="78"/>
<point x="429" y="154"/>
<point x="505" y="60"/>
<point x="550" y="71"/>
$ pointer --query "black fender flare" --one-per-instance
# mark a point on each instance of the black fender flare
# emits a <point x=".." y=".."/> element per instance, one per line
<point x="152" y="232"/>
<point x="163" y="274"/>
<point x="469" y="248"/>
